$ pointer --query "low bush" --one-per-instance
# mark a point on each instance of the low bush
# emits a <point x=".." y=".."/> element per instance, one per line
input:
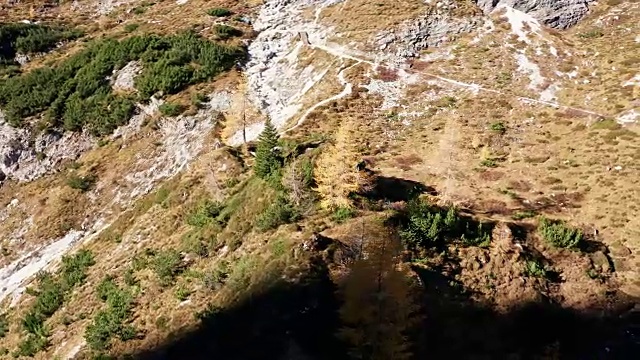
<point x="534" y="268"/>
<point x="112" y="321"/>
<point x="225" y="31"/>
<point x="278" y="213"/>
<point x="82" y="183"/>
<point x="498" y="127"/>
<point x="76" y="92"/>
<point x="559" y="234"/>
<point x="31" y="345"/>
<point x="219" y="12"/>
<point x="342" y="214"/>
<point x="30" y="38"/>
<point x="182" y="293"/>
<point x="50" y="292"/>
<point x="171" y="109"/>
<point x="425" y="226"/>
<point x="4" y="325"/>
<point x="167" y="264"/>
<point x="204" y="213"/>
<point x="520" y="215"/>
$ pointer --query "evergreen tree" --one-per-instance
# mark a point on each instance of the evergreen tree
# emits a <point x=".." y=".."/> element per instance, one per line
<point x="267" y="159"/>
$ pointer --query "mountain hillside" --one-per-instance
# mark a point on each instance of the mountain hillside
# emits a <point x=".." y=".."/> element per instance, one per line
<point x="312" y="179"/>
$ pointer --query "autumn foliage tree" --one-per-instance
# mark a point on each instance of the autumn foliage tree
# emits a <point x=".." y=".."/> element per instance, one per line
<point x="379" y="307"/>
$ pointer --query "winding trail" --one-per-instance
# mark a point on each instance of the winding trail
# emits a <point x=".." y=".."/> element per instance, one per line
<point x="340" y="53"/>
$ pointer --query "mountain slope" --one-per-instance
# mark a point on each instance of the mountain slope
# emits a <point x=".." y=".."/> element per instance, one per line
<point x="474" y="104"/>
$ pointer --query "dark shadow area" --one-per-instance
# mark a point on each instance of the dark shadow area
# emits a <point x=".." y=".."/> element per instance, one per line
<point x="455" y="327"/>
<point x="286" y="318"/>
<point x="395" y="189"/>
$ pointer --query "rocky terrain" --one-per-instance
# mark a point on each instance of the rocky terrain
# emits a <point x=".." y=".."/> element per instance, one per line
<point x="481" y="154"/>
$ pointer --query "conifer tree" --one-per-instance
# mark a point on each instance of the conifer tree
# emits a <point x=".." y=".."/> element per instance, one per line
<point x="267" y="158"/>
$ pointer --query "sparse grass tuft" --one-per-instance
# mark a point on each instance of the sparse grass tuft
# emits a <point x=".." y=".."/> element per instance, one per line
<point x="4" y="325"/>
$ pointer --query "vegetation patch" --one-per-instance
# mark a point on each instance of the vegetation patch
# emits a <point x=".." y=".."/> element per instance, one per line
<point x="171" y="109"/>
<point x="82" y="183"/>
<point x="424" y="225"/>
<point x="20" y="38"/>
<point x="219" y="12"/>
<point x="559" y="234"/>
<point x="77" y="93"/>
<point x="50" y="294"/>
<point x="278" y="213"/>
<point x="167" y="265"/>
<point x="111" y="322"/>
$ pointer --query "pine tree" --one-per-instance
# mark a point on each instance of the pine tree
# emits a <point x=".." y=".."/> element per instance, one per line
<point x="267" y="159"/>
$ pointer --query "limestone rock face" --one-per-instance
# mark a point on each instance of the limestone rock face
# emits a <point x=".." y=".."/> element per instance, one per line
<point x="559" y="14"/>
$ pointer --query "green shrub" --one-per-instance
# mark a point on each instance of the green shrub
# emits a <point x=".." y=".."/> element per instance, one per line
<point x="4" y="325"/>
<point x="74" y="268"/>
<point x="76" y="92"/>
<point x="193" y="242"/>
<point x="215" y="278"/>
<point x="204" y="213"/>
<point x="30" y="38"/>
<point x="219" y="12"/>
<point x="342" y="214"/>
<point x="111" y="321"/>
<point x="166" y="264"/>
<point x="591" y="34"/>
<point x="425" y="226"/>
<point x="198" y="100"/>
<point x="558" y="234"/>
<point x="225" y="31"/>
<point x="139" y="10"/>
<point x="278" y="247"/>
<point x="534" y="268"/>
<point x="171" y="109"/>
<point x="278" y="213"/>
<point x="520" y="215"/>
<point x="182" y="293"/>
<point x="491" y="163"/>
<point x="498" y="127"/>
<point x="131" y="27"/>
<point x="82" y="183"/>
<point x="32" y="345"/>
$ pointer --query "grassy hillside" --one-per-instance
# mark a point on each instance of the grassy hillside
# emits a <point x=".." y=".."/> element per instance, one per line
<point x="475" y="201"/>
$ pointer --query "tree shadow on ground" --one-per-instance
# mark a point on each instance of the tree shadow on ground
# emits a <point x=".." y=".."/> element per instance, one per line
<point x="287" y="317"/>
<point x="396" y="189"/>
<point x="455" y="327"/>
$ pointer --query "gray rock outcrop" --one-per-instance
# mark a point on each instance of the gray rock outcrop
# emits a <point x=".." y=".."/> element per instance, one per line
<point x="25" y="157"/>
<point x="559" y="14"/>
